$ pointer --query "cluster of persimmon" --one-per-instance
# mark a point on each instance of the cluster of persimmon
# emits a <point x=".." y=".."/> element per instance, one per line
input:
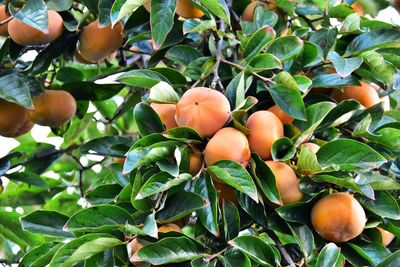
<point x="53" y="108"/>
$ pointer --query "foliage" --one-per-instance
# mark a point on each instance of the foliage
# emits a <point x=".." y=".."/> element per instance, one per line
<point x="99" y="210"/>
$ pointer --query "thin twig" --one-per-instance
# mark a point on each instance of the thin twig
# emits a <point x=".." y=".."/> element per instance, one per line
<point x="217" y="80"/>
<point x="119" y="110"/>
<point x="309" y="22"/>
<point x="265" y="79"/>
<point x="213" y="256"/>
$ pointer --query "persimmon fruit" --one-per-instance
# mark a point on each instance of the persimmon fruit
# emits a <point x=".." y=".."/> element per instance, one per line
<point x="203" y="109"/>
<point x="97" y="42"/>
<point x="265" y="128"/>
<point x="14" y="119"/>
<point x="286" y="182"/>
<point x="338" y="217"/>
<point x="119" y="160"/>
<point x="53" y="108"/>
<point x="365" y="94"/>
<point x="166" y="112"/>
<point x="196" y="160"/>
<point x="285" y="118"/>
<point x="25" y="35"/>
<point x="248" y="13"/>
<point x="387" y="237"/>
<point x="227" y="144"/>
<point x="3" y="16"/>
<point x="225" y="192"/>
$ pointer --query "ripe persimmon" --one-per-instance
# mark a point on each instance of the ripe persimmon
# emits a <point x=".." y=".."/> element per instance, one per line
<point x="14" y="119"/>
<point x="227" y="144"/>
<point x="3" y="16"/>
<point x="196" y="160"/>
<point x="97" y="42"/>
<point x="358" y="8"/>
<point x="53" y="108"/>
<point x="23" y="34"/>
<point x="365" y="94"/>
<point x="166" y="112"/>
<point x="203" y="109"/>
<point x="285" y="118"/>
<point x="286" y="182"/>
<point x="338" y="217"/>
<point x="265" y="128"/>
<point x="225" y="192"/>
<point x="119" y="160"/>
<point x="248" y="13"/>
<point x="387" y="237"/>
<point x="184" y="8"/>
<point x="169" y="227"/>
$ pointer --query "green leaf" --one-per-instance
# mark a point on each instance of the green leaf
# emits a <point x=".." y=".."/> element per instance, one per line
<point x="91" y="90"/>
<point x="255" y="210"/>
<point x="83" y="248"/>
<point x="391" y="260"/>
<point x="104" y="12"/>
<point x="344" y="66"/>
<point x="10" y="228"/>
<point x="14" y="89"/>
<point x="324" y="38"/>
<point x="27" y="177"/>
<point x="163" y="93"/>
<point x="142" y="78"/>
<point x="265" y="179"/>
<point x="379" y="67"/>
<point x="183" y="54"/>
<point x="141" y="156"/>
<point x="348" y="154"/>
<point x="288" y="97"/>
<point x="59" y="5"/>
<point x="256" y="43"/>
<point x="255" y="248"/>
<point x="286" y="47"/>
<point x="208" y="215"/>
<point x="304" y="238"/>
<point x="231" y="219"/>
<point x="312" y="55"/>
<point x="109" y="146"/>
<point x="333" y="80"/>
<point x="219" y="8"/>
<point x="161" y="182"/>
<point x="233" y="258"/>
<point x="162" y="19"/>
<point x="328" y="256"/>
<point x="33" y="13"/>
<point x="234" y="175"/>
<point x="179" y="205"/>
<point x="48" y="223"/>
<point x="124" y="8"/>
<point x="41" y="255"/>
<point x="103" y="194"/>
<point x="264" y="62"/>
<point x="384" y="205"/>
<point x="147" y="120"/>
<point x="99" y="218"/>
<point x="372" y="40"/>
<point x="307" y="161"/>
<point x="169" y="250"/>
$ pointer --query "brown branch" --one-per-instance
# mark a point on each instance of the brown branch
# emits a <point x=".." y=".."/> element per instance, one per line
<point x="217" y="79"/>
<point x="309" y="22"/>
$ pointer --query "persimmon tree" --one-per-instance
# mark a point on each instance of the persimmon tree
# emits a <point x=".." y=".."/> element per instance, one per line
<point x="200" y="133"/>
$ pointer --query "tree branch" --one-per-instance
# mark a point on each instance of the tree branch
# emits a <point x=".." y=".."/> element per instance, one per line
<point x="265" y="79"/>
<point x="217" y="80"/>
